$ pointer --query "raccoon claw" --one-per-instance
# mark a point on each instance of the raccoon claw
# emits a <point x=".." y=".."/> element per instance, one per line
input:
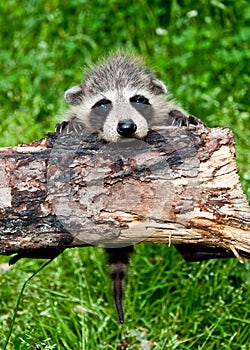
<point x="187" y="121"/>
<point x="61" y="127"/>
<point x="67" y="127"/>
<point x="192" y="120"/>
<point x="180" y="119"/>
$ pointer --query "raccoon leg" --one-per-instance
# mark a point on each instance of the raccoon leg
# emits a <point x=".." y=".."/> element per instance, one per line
<point x="192" y="252"/>
<point x="42" y="253"/>
<point x="118" y="259"/>
<point x="180" y="119"/>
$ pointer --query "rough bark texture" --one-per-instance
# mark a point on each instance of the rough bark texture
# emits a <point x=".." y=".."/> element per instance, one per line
<point x="177" y="186"/>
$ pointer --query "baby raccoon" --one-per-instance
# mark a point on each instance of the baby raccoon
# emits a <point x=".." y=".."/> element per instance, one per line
<point x="120" y="98"/>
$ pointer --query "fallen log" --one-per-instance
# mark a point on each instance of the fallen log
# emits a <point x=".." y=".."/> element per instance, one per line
<point x="178" y="186"/>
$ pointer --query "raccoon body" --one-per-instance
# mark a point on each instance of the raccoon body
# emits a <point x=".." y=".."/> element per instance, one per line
<point x="120" y="98"/>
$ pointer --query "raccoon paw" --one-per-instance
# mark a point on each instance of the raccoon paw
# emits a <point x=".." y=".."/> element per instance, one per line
<point x="42" y="253"/>
<point x="61" y="127"/>
<point x="192" y="120"/>
<point x="180" y="119"/>
<point x="67" y="127"/>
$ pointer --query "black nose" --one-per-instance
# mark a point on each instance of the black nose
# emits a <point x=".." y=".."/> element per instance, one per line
<point x="126" y="128"/>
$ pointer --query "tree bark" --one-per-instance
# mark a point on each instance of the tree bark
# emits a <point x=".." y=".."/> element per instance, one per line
<point x="178" y="186"/>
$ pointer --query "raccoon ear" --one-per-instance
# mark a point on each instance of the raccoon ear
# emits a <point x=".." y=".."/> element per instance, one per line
<point x="158" y="87"/>
<point x="74" y="95"/>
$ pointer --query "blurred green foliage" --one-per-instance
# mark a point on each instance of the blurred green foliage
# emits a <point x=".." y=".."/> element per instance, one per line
<point x="201" y="51"/>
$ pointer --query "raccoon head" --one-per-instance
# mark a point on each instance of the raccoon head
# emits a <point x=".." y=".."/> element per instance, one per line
<point x="117" y="98"/>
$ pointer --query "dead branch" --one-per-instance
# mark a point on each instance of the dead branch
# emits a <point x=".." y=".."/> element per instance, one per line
<point x="177" y="186"/>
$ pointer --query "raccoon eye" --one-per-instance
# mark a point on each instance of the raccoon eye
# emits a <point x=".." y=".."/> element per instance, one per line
<point x="140" y="100"/>
<point x="102" y="103"/>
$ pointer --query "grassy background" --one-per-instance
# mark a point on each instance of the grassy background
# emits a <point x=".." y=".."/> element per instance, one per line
<point x="201" y="51"/>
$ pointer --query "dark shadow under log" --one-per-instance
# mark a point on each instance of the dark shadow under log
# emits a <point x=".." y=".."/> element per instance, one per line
<point x="177" y="186"/>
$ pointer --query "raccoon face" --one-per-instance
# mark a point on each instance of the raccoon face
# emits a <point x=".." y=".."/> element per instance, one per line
<point x="122" y="115"/>
<point x="117" y="114"/>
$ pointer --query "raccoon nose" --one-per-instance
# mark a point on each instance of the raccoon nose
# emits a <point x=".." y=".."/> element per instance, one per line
<point x="126" y="128"/>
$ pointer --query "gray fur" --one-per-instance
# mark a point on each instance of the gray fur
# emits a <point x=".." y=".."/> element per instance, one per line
<point x="115" y="82"/>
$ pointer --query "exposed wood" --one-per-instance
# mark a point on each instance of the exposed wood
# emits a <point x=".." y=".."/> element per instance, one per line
<point x="180" y="185"/>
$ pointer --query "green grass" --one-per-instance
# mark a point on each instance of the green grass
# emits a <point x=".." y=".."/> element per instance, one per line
<point x="169" y="303"/>
<point x="203" y="57"/>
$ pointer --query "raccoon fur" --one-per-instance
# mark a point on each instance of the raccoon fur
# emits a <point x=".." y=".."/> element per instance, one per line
<point x="120" y="98"/>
